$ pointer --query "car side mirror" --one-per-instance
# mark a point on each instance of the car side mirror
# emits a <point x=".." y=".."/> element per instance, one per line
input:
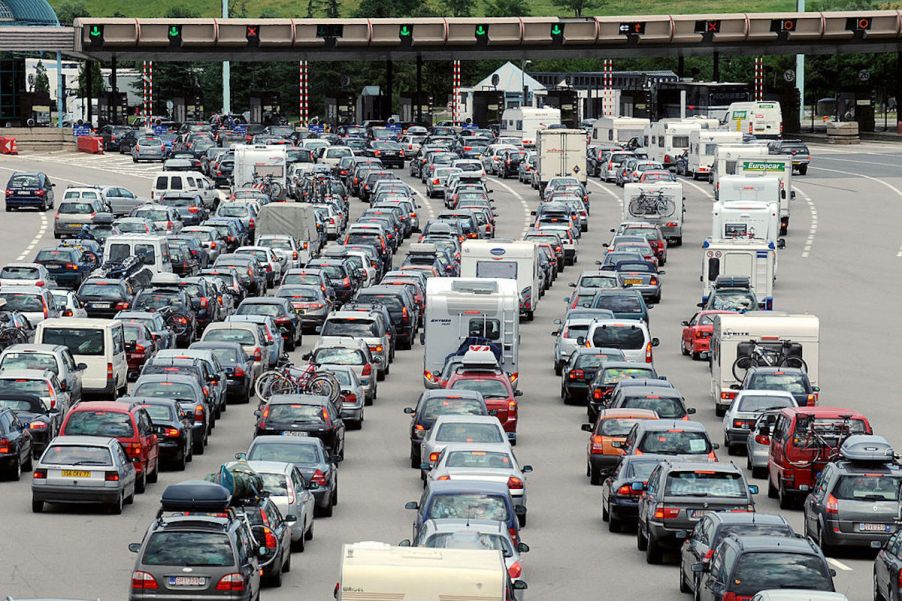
<point x="519" y="585"/>
<point x="587" y="427"/>
<point x="257" y="413"/>
<point x="426" y="466"/>
<point x="781" y="243"/>
<point x="753" y="489"/>
<point x="518" y="393"/>
<point x="291" y="518"/>
<point x="311" y="485"/>
<point x="555" y="332"/>
<point x="522" y="548"/>
<point x="520" y="509"/>
<point x="526" y="469"/>
<point x="715" y="446"/>
<point x="655" y="342"/>
<point x="690" y="410"/>
<point x="306" y="356"/>
<point x="337" y="458"/>
<point x="81" y="366"/>
<point x="241" y="456"/>
<point x="134" y="547"/>
<point x="411" y="505"/>
<point x="815" y="388"/>
<point x="832" y="572"/>
<point x="735" y="386"/>
<point x="662" y="272"/>
<point x="684" y="323"/>
<point x="404" y="543"/>
<point x="571" y="284"/>
<point x="699" y="305"/>
<point x="581" y="340"/>
<point x="409" y="410"/>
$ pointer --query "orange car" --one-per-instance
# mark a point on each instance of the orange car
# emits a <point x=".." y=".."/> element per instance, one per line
<point x="607" y="435"/>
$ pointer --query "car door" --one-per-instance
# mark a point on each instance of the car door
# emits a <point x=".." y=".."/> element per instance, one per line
<point x="149" y="445"/>
<point x="304" y="498"/>
<point x="695" y="547"/>
<point x="126" y="468"/>
<point x="247" y="561"/>
<point x="815" y="500"/>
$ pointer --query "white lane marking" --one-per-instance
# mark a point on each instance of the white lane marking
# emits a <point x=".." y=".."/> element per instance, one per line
<point x="839" y="565"/>
<point x="864" y="162"/>
<point x="527" y="222"/>
<point x="426" y="204"/>
<point x="37" y="238"/>
<point x="699" y="188"/>
<point x="618" y="198"/>
<point x="812" y="231"/>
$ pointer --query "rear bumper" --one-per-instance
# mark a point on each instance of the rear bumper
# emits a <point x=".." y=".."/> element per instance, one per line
<point x="56" y="494"/>
<point x="15" y="203"/>
<point x="852" y="539"/>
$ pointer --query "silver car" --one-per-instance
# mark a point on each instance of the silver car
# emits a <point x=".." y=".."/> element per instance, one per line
<point x="565" y="340"/>
<point x="364" y="326"/>
<point x="757" y="444"/>
<point x="147" y="148"/>
<point x="742" y="414"/>
<point x="487" y="462"/>
<point x="67" y="303"/>
<point x="290" y="492"/>
<point x="448" y="429"/>
<point x="352" y="407"/>
<point x="83" y="469"/>
<point x="350" y="352"/>
<point x="72" y="215"/>
<point x="208" y="238"/>
<point x="435" y="184"/>
<point x="34" y="302"/>
<point x="24" y="274"/>
<point x="51" y="357"/>
<point x="165" y="219"/>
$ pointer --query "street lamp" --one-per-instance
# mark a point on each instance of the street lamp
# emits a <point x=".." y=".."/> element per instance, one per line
<point x="523" y="65"/>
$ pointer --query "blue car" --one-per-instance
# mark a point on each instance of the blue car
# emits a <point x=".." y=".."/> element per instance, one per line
<point x="29" y="190"/>
<point x="68" y="266"/>
<point x="462" y="499"/>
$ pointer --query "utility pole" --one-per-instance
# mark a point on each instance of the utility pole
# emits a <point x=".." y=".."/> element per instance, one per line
<point x="800" y="72"/>
<point x="226" y="72"/>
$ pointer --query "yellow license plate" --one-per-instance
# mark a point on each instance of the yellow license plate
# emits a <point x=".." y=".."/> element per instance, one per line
<point x="76" y="474"/>
<point x="632" y="282"/>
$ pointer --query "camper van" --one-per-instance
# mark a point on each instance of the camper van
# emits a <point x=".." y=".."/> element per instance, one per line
<point x="665" y="140"/>
<point x="760" y="119"/>
<point x="481" y="310"/>
<point x="560" y="152"/>
<point x="660" y="203"/>
<point x="516" y="260"/>
<point x="153" y="250"/>
<point x="260" y="160"/>
<point x="97" y="346"/>
<point x="752" y="219"/>
<point x="702" y="148"/>
<point x="374" y="570"/>
<point x="772" y="166"/>
<point x="526" y="122"/>
<point x="739" y="335"/>
<point x="618" y="130"/>
<point x="726" y="156"/>
<point x="754" y="259"/>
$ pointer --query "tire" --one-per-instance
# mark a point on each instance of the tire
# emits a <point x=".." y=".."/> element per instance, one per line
<point x="594" y="476"/>
<point x="116" y="508"/>
<point x="683" y="350"/>
<point x="15" y="473"/>
<point x="275" y="580"/>
<point x="684" y="588"/>
<point x="803" y="169"/>
<point x="286" y="567"/>
<point x="696" y="356"/>
<point x="199" y="447"/>
<point x="653" y="553"/>
<point x="152" y="478"/>
<point x="29" y="463"/>
<point x="614" y="524"/>
<point x="878" y="596"/>
<point x="326" y="511"/>
<point x="141" y="485"/>
<point x="521" y="519"/>
<point x="299" y="545"/>
<point x="558" y="368"/>
<point x="641" y="541"/>
<point x="309" y="534"/>
<point x="719" y="410"/>
<point x="759" y="472"/>
<point x="786" y="501"/>
<point x="605" y="514"/>
<point x="37" y="506"/>
<point x="415" y="458"/>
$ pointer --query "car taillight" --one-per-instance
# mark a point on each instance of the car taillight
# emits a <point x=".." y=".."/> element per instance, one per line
<point x="4" y="446"/>
<point x="515" y="483"/>
<point x="515" y="570"/>
<point x="512" y="406"/>
<point x="142" y="581"/>
<point x="428" y="375"/>
<point x="597" y="446"/>
<point x="762" y="439"/>
<point x="515" y="535"/>
<point x="238" y="373"/>
<point x="109" y="372"/>
<point x="405" y="315"/>
<point x="9" y="192"/>
<point x="233" y="582"/>
<point x="319" y="477"/>
<point x="122" y="305"/>
<point x="111" y="477"/>
<point x="832" y="504"/>
<point x="37" y="426"/>
<point x="199" y="413"/>
<point x="728" y="395"/>
<point x="597" y="394"/>
<point x="193" y="209"/>
<point x="662" y="512"/>
<point x="39" y="474"/>
<point x="577" y="374"/>
<point x="269" y="538"/>
<point x="251" y="224"/>
<point x="367" y="369"/>
<point x="377" y="348"/>
<point x="648" y="357"/>
<point x="258" y="354"/>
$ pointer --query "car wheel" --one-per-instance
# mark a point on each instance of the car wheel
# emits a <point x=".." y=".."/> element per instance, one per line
<point x="37" y="506"/>
<point x="719" y="410"/>
<point x="683" y="350"/>
<point x="16" y="472"/>
<point x="286" y="567"/>
<point x="116" y="507"/>
<point x="684" y="588"/>
<point x="605" y="514"/>
<point x="641" y="541"/>
<point x="614" y="524"/>
<point x="155" y="475"/>
<point x="759" y="472"/>
<point x="326" y="511"/>
<point x="309" y="534"/>
<point x="653" y="552"/>
<point x="415" y="459"/>
<point x="199" y="446"/>
<point x="878" y="596"/>
<point x="275" y="580"/>
<point x="696" y="356"/>
<point x="594" y="476"/>
<point x="786" y="501"/>
<point x="141" y="483"/>
<point x="803" y="169"/>
<point x="521" y="519"/>
<point x="29" y="463"/>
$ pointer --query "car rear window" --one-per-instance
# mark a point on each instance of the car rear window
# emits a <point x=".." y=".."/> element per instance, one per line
<point x="76" y="455"/>
<point x="230" y="335"/>
<point x="598" y="282"/>
<point x="666" y="408"/>
<point x="868" y="487"/>
<point x="152" y="214"/>
<point x="265" y="309"/>
<point x="479" y="459"/>
<point x="339" y="356"/>
<point x="792" y="383"/>
<point x="23" y="386"/>
<point x="616" y="426"/>
<point x="79" y="341"/>
<point x="391" y="302"/>
<point x="19" y="273"/>
<point x="615" y="374"/>
<point x="705" y="483"/>
<point x="22" y="302"/>
<point x="616" y="336"/>
<point x="158" y="413"/>
<point x="285" y="452"/>
<point x="595" y="360"/>
<point x="753" y="403"/>
<point x="464" y="432"/>
<point x="675" y="442"/>
<point x="472" y="506"/>
<point x="99" y="423"/>
<point x="165" y="390"/>
<point x="350" y="326"/>
<point x="436" y="407"/>
<point x="58" y="256"/>
<point x="726" y="530"/>
<point x="24" y="181"/>
<point x="294" y="413"/>
<point x="105" y="290"/>
<point x="490" y="389"/>
<point x="14" y="360"/>
<point x="761" y="571"/>
<point x="200" y="549"/>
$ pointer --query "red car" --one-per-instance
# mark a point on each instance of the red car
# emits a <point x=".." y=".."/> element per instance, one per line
<point x="129" y="423"/>
<point x="140" y="347"/>
<point x="495" y="386"/>
<point x="697" y="332"/>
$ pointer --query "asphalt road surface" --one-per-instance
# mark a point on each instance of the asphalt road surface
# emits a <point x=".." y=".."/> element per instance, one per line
<point x="841" y="262"/>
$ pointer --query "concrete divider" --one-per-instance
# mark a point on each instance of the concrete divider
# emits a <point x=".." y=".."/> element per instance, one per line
<point x="40" y="139"/>
<point x="89" y="144"/>
<point x="8" y="145"/>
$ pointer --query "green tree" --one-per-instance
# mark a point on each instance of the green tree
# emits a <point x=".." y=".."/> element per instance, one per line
<point x="507" y="8"/>
<point x="67" y="11"/>
<point x="96" y="80"/>
<point x="577" y="6"/>
<point x="460" y="8"/>
<point x="333" y="9"/>
<point x="375" y="9"/>
<point x="41" y="81"/>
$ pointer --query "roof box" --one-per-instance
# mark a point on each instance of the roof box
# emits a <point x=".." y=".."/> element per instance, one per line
<point x="733" y="281"/>
<point x="195" y="495"/>
<point x="867" y="447"/>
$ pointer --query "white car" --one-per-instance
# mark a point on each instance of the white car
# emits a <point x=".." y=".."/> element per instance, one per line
<point x="290" y="491"/>
<point x="449" y="429"/>
<point x="285" y="246"/>
<point x="67" y="303"/>
<point x="24" y="274"/>
<point x="471" y="167"/>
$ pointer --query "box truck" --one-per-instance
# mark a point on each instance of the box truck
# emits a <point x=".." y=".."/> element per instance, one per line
<point x="560" y="152"/>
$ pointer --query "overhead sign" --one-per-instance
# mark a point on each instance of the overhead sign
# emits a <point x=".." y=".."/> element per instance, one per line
<point x="160" y="129"/>
<point x="81" y="130"/>
<point x="636" y="28"/>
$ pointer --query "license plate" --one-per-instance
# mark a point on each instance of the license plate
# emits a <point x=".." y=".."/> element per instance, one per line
<point x="24" y="192"/>
<point x="697" y="514"/>
<point x="76" y="224"/>
<point x="101" y="305"/>
<point x="874" y="528"/>
<point x="187" y="581"/>
<point x="76" y="474"/>
<point x="294" y="434"/>
<point x="632" y="282"/>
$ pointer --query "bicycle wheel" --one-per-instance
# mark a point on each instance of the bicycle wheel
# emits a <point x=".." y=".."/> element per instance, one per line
<point x="275" y="189"/>
<point x="665" y="207"/>
<point x="795" y="362"/>
<point x="324" y="384"/>
<point x="742" y="365"/>
<point x="178" y="323"/>
<point x="273" y="382"/>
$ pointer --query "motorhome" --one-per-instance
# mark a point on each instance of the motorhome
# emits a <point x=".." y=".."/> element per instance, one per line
<point x="516" y="260"/>
<point x="747" y="219"/>
<point x="754" y="259"/>
<point x="560" y="152"/>
<point x="463" y="310"/>
<point x="778" y="334"/>
<point x="660" y="203"/>
<point x="667" y="139"/>
<point x="526" y="122"/>
<point x="760" y="119"/>
<point x="702" y="148"/>
<point x="261" y="160"/>
<point x="618" y="130"/>
<point x="726" y="156"/>
<point x="775" y="166"/>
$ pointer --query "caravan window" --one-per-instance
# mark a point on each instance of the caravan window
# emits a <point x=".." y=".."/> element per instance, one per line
<point x="496" y="269"/>
<point x="485" y="328"/>
<point x="680" y="142"/>
<point x="710" y="148"/>
<point x="610" y="135"/>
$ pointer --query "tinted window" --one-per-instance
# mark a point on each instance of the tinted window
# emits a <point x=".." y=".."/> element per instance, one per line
<point x="165" y="390"/>
<point x="478" y="459"/>
<point x="708" y="483"/>
<point x="615" y="374"/>
<point x="760" y="403"/>
<point x="675" y="442"/>
<point x="616" y="427"/>
<point x="618" y="303"/>
<point x="354" y="327"/>
<point x="339" y="356"/>
<point x="239" y="336"/>
<point x="468" y="433"/>
<point x="76" y="455"/>
<point x="22" y="302"/>
<point x="623" y="337"/>
<point x="19" y="273"/>
<point x="490" y="389"/>
<point x="868" y="487"/>
<point x="110" y="291"/>
<point x="288" y="453"/>
<point x="436" y="407"/>
<point x="760" y="571"/>
<point x="99" y="423"/>
<point x="79" y="341"/>
<point x="294" y="413"/>
<point x="473" y="506"/>
<point x="666" y="408"/>
<point x="188" y="549"/>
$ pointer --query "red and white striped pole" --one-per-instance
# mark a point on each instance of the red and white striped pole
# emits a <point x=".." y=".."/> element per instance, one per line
<point x="608" y="86"/>
<point x="306" y="93"/>
<point x="759" y="78"/>
<point x="455" y="92"/>
<point x="150" y="90"/>
<point x="144" y="96"/>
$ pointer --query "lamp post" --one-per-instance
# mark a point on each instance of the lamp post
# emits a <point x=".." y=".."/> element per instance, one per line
<point x="226" y="72"/>
<point x="800" y="72"/>
<point x="523" y="65"/>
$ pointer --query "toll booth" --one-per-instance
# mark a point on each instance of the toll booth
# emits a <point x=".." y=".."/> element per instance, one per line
<point x="565" y="100"/>
<point x="488" y="106"/>
<point x="264" y="105"/>
<point x="636" y="103"/>
<point x="341" y="109"/>
<point x="409" y="105"/>
<point x="105" y="105"/>
<point x="855" y="105"/>
<point x="373" y="107"/>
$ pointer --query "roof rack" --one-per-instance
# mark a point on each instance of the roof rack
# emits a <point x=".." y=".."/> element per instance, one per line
<point x="733" y="281"/>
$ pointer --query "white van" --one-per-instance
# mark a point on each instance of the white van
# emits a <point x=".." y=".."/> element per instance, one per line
<point x="665" y="140"/>
<point x="755" y="259"/>
<point x="526" y="122"/>
<point x="98" y="343"/>
<point x="767" y="328"/>
<point x="153" y="250"/>
<point x="516" y="260"/>
<point x="727" y="155"/>
<point x="184" y="182"/>
<point x="660" y="203"/>
<point x="462" y="308"/>
<point x="374" y="570"/>
<point x="630" y="336"/>
<point x="702" y="148"/>
<point x="760" y="119"/>
<point x="618" y="130"/>
<point x="773" y="166"/>
<point x="261" y="160"/>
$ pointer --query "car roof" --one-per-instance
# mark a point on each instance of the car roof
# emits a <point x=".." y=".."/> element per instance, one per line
<point x="771" y="543"/>
<point x="744" y="517"/>
<point x="465" y="419"/>
<point x="660" y="425"/>
<point x="626" y="413"/>
<point x="24" y="374"/>
<point x="685" y="465"/>
<point x="452" y="486"/>
<point x="292" y="440"/>
<point x="297" y="399"/>
<point x="36" y="348"/>
<point x="89" y="441"/>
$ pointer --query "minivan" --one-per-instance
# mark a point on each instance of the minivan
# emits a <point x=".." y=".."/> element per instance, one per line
<point x="152" y="250"/>
<point x="97" y="343"/>
<point x="183" y="182"/>
<point x="632" y="337"/>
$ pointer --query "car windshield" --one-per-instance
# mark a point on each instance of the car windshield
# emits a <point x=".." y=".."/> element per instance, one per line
<point x="613" y="375"/>
<point x="303" y="454"/>
<point x="705" y="483"/>
<point x="42" y="361"/>
<point x="598" y="282"/>
<point x="110" y="291"/>
<point x="230" y="335"/>
<point x="22" y="302"/>
<point x="760" y="571"/>
<point x="99" y="423"/>
<point x="294" y="413"/>
<point x="868" y="487"/>
<point x="436" y="407"/>
<point x="675" y="442"/>
<point x="76" y="455"/>
<point x="627" y="337"/>
<point x="755" y="403"/>
<point x="791" y="383"/>
<point x="616" y="426"/>
<point x="350" y="326"/>
<point x="339" y="356"/>
<point x="730" y="300"/>
<point x="490" y="389"/>
<point x="79" y="341"/>
<point x="165" y="390"/>
<point x="19" y="273"/>
<point x="181" y="548"/>
<point x="472" y="506"/>
<point x="666" y="408"/>
<point x="463" y="432"/>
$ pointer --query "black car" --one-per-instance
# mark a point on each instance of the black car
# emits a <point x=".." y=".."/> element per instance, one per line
<point x="190" y="207"/>
<point x="42" y="423"/>
<point x="341" y="275"/>
<point x="797" y="149"/>
<point x="183" y="263"/>
<point x="510" y="162"/>
<point x="280" y="309"/>
<point x="173" y="427"/>
<point x="390" y="153"/>
<point x="314" y="415"/>
<point x="203" y="300"/>
<point x="434" y="403"/>
<point x="16" y="446"/>
<point x="104" y="297"/>
<point x="401" y="307"/>
<point x="580" y="369"/>
<point x="238" y="366"/>
<point x="194" y="246"/>
<point x="176" y="304"/>
<point x="793" y="380"/>
<point x="113" y="134"/>
<point x="29" y="190"/>
<point x="621" y="490"/>
<point x="272" y="531"/>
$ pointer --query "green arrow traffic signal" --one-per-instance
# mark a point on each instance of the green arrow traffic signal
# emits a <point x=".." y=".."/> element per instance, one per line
<point x="556" y="29"/>
<point x="406" y="31"/>
<point x="482" y="30"/>
<point x="96" y="31"/>
<point x="175" y="31"/>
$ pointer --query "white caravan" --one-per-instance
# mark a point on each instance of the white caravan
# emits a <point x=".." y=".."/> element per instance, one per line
<point x="702" y="148"/>
<point x="261" y="160"/>
<point x="660" y="203"/>
<point x="760" y="119"/>
<point x="515" y="260"/>
<point x="618" y="130"/>
<point x="772" y="166"/>
<point x="726" y="156"/>
<point x="748" y="219"/>
<point x="754" y="259"/>
<point x="667" y="139"/>
<point x="526" y="122"/>
<point x="561" y="152"/>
